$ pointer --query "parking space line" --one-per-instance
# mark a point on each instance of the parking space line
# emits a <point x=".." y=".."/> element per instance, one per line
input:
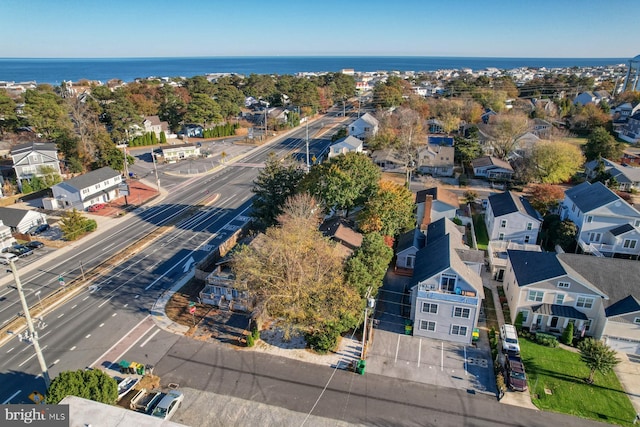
<point x="419" y="350"/>
<point x="397" y="348"/>
<point x="12" y="396"/>
<point x="149" y="338"/>
<point x="465" y="361"/>
<point x="442" y="357"/>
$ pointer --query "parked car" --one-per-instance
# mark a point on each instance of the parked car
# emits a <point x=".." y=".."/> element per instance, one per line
<point x="96" y="207"/>
<point x="5" y="257"/>
<point x="34" y="244"/>
<point x="21" y="250"/>
<point x="509" y="337"/>
<point x="516" y="377"/>
<point x="168" y="405"/>
<point x="37" y="229"/>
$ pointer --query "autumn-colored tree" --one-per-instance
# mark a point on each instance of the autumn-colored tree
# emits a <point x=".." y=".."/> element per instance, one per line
<point x="389" y="211"/>
<point x="410" y="138"/>
<point x="556" y="161"/>
<point x="545" y="197"/>
<point x="504" y="130"/>
<point x="590" y="116"/>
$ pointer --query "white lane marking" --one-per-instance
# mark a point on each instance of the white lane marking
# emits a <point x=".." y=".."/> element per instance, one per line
<point x="88" y="335"/>
<point x="61" y="315"/>
<point x="30" y="357"/>
<point x="149" y="339"/>
<point x="101" y="325"/>
<point x="397" y="348"/>
<point x="136" y="297"/>
<point x="114" y="314"/>
<point x="465" y="361"/>
<point x="126" y="305"/>
<point x="442" y="357"/>
<point x="85" y="298"/>
<point x="99" y="359"/>
<point x="419" y="351"/>
<point x="5" y="322"/>
<point x="9" y="351"/>
<point x="12" y="396"/>
<point x="105" y="301"/>
<point x="72" y="348"/>
<point x="74" y="306"/>
<point x="55" y="361"/>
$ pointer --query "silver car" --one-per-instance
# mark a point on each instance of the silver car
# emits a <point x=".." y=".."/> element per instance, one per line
<point x="168" y="405"/>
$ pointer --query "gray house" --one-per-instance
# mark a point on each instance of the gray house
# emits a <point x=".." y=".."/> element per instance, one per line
<point x="511" y="217"/>
<point x="627" y="177"/>
<point x="436" y="160"/>
<point x="98" y="186"/>
<point x="446" y="292"/>
<point x="34" y="159"/>
<point x="21" y="220"/>
<point x="409" y="244"/>
<point x="433" y="204"/>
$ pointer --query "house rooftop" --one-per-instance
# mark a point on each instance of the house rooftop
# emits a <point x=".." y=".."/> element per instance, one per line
<point x="11" y="217"/>
<point x="629" y="304"/>
<point x="33" y="146"/>
<point x="92" y="178"/>
<point x="350" y="142"/>
<point x="340" y="230"/>
<point x="440" y="194"/>
<point x="411" y="238"/>
<point x="588" y="197"/>
<point x="507" y="203"/>
<point x="532" y="267"/>
<point x="491" y="161"/>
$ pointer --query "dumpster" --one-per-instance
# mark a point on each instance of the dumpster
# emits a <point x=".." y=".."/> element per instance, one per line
<point x="360" y="367"/>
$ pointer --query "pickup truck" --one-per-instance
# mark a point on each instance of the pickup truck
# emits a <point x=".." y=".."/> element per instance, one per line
<point x="145" y="401"/>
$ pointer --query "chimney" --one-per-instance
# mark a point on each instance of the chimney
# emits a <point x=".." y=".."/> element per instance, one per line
<point x="426" y="217"/>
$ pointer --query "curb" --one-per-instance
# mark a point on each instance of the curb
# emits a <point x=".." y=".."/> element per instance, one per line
<point x="158" y="313"/>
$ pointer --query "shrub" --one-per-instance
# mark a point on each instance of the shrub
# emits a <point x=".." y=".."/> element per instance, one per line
<point x="250" y="340"/>
<point x="457" y="221"/>
<point x="567" y="334"/>
<point x="323" y="339"/>
<point x="546" y="340"/>
<point x="518" y="322"/>
<point x="255" y="333"/>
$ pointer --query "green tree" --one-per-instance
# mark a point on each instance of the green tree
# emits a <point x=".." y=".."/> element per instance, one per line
<point x="597" y="356"/>
<point x="466" y="150"/>
<point x="91" y="384"/>
<point x="343" y="182"/>
<point x="74" y="225"/>
<point x="203" y="109"/>
<point x="390" y="93"/>
<point x="163" y="138"/>
<point x="368" y="264"/>
<point x="8" y="116"/>
<point x="46" y="112"/>
<point x="602" y="144"/>
<point x="567" y="334"/>
<point x="274" y="184"/>
<point x="470" y="196"/>
<point x="518" y="322"/>
<point x="557" y="232"/>
<point x="556" y="161"/>
<point x="389" y="211"/>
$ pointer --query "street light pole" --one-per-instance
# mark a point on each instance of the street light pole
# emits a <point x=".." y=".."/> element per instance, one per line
<point x="32" y="331"/>
<point x="308" y="166"/>
<point x="155" y="169"/>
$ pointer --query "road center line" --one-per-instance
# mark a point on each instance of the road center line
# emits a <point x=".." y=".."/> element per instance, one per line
<point x="9" y="351"/>
<point x="30" y="357"/>
<point x="101" y="325"/>
<point x="61" y="315"/>
<point x="72" y="348"/>
<point x="88" y="335"/>
<point x="104" y="302"/>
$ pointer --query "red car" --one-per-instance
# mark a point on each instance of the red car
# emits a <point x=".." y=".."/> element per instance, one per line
<point x="516" y="377"/>
<point x="96" y="207"/>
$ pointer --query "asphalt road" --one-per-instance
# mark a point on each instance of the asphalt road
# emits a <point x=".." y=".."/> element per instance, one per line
<point x="81" y="330"/>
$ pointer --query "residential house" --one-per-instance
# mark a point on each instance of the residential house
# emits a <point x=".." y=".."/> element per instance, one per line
<point x="446" y="293"/>
<point x="550" y="294"/>
<point x="193" y="131"/>
<point x="584" y="98"/>
<point x="364" y="127"/>
<point x="630" y="131"/>
<point x="19" y="220"/>
<point x="487" y="115"/>
<point x="433" y="204"/>
<point x="155" y="125"/>
<point x="524" y="145"/>
<point x="173" y="153"/>
<point x="607" y="225"/>
<point x="341" y="231"/>
<point x="546" y="105"/>
<point x="34" y="159"/>
<point x="221" y="290"/>
<point x="435" y="126"/>
<point x="511" y="217"/>
<point x="541" y="128"/>
<point x="630" y="156"/>
<point x="436" y="160"/>
<point x="98" y="186"/>
<point x="388" y="159"/>
<point x="409" y="244"/>
<point x="598" y="295"/>
<point x="447" y="141"/>
<point x="497" y="255"/>
<point x="622" y="112"/>
<point x="492" y="168"/>
<point x="350" y="144"/>
<point x="627" y="177"/>
<point x="6" y="238"/>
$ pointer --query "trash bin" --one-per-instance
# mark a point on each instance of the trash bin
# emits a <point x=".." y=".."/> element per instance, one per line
<point x="124" y="366"/>
<point x="360" y="367"/>
<point x="408" y="329"/>
<point x="140" y="370"/>
<point x="149" y="369"/>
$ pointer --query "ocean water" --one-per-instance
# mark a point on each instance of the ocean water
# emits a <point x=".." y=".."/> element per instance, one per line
<point x="54" y="71"/>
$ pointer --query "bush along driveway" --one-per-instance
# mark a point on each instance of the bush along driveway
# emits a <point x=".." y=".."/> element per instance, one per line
<point x="557" y="383"/>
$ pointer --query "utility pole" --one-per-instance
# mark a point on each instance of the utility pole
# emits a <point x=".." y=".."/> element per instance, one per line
<point x="155" y="169"/>
<point x="370" y="304"/>
<point x="32" y="331"/>
<point x="308" y="166"/>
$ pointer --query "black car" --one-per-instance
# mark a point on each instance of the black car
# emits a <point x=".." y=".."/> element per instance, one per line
<point x="34" y="244"/>
<point x="37" y="229"/>
<point x="21" y="250"/>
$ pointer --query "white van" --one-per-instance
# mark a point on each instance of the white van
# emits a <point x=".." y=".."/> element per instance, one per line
<point x="5" y="257"/>
<point x="509" y="337"/>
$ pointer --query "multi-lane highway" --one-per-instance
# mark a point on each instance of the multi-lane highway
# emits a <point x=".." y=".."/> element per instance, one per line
<point x="81" y="330"/>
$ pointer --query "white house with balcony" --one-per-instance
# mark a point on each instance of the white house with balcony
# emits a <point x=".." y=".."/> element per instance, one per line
<point x="34" y="159"/>
<point x="607" y="225"/>
<point x="447" y="291"/>
<point x="511" y="217"/>
<point x="98" y="186"/>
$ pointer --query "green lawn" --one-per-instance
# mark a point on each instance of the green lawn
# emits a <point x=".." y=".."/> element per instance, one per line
<point x="561" y="372"/>
<point x="482" y="238"/>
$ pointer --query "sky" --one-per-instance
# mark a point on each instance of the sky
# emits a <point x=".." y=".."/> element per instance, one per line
<point x="169" y="28"/>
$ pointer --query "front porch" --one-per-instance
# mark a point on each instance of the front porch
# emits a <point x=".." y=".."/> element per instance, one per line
<point x="554" y="319"/>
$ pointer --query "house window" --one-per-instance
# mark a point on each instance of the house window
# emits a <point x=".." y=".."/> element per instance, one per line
<point x="447" y="282"/>
<point x="587" y="325"/>
<point x="85" y="191"/>
<point x="461" y="312"/>
<point x="411" y="259"/>
<point x="97" y="186"/>
<point x="501" y="236"/>
<point x="584" y="302"/>
<point x="429" y="308"/>
<point x="636" y="320"/>
<point x="595" y="237"/>
<point x="458" y="330"/>
<point x="636" y="223"/>
<point x="503" y="223"/>
<point x="527" y="239"/>
<point x="564" y="285"/>
<point x="589" y="218"/>
<point x="525" y="316"/>
<point x="535" y="296"/>
<point x="529" y="226"/>
<point x="428" y="325"/>
<point x="629" y="244"/>
<point x="559" y="299"/>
